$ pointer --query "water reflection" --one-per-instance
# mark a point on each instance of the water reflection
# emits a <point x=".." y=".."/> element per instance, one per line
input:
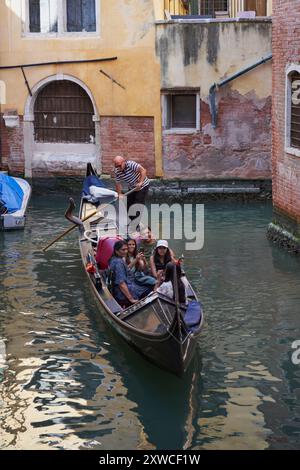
<point x="67" y="381"/>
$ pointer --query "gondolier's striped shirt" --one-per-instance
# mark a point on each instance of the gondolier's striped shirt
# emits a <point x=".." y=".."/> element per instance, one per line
<point x="131" y="175"/>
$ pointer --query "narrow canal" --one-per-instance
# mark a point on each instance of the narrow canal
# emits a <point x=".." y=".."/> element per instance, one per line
<point x="68" y="382"/>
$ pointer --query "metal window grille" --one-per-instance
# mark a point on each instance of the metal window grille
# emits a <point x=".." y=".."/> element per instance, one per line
<point x="63" y="112"/>
<point x="295" y="110"/>
<point x="209" y="7"/>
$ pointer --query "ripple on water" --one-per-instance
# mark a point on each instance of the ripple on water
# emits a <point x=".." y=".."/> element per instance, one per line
<point x="68" y="382"/>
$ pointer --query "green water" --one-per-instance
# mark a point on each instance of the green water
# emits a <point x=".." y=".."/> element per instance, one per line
<point x="67" y="381"/>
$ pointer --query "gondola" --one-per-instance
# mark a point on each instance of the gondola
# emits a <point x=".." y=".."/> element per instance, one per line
<point x="162" y="330"/>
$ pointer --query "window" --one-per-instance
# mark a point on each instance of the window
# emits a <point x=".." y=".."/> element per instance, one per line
<point x="42" y="16"/>
<point x="293" y="110"/>
<point x="181" y="110"/>
<point x="63" y="112"/>
<point x="62" y="16"/>
<point x="81" y="15"/>
<point x="209" y="7"/>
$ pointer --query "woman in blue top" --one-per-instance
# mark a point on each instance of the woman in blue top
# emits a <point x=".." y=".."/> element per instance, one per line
<point x="125" y="290"/>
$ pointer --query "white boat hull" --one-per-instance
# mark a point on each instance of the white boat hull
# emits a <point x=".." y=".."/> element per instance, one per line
<point x="16" y="220"/>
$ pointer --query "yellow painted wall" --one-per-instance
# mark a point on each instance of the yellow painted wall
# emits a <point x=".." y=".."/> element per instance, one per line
<point x="126" y="30"/>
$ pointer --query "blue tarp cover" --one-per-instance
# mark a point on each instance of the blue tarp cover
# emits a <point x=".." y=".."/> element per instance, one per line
<point x="91" y="180"/>
<point x="193" y="315"/>
<point x="11" y="194"/>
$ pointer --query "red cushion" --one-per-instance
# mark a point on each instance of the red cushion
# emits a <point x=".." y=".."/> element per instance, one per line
<point x="105" y="250"/>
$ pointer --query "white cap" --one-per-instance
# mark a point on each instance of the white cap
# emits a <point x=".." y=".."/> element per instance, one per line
<point x="162" y="243"/>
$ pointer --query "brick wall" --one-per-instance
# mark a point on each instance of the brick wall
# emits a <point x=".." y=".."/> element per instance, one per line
<point x="131" y="137"/>
<point x="12" y="148"/>
<point x="286" y="50"/>
<point x="240" y="146"/>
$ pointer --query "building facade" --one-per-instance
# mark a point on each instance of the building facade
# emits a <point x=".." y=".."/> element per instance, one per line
<point x="285" y="228"/>
<point x="65" y="109"/>
<point x="216" y="97"/>
<point x="87" y="80"/>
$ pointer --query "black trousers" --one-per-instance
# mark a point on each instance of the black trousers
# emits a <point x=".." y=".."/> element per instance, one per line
<point x="137" y="197"/>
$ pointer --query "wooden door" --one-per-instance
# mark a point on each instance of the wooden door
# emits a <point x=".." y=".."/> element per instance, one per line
<point x="259" y="6"/>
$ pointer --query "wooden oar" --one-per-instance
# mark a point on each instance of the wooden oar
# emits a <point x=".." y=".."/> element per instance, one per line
<point x="177" y="305"/>
<point x="83" y="220"/>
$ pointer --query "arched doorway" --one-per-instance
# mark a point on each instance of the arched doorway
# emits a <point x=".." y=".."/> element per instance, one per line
<point x="63" y="112"/>
<point x="61" y="128"/>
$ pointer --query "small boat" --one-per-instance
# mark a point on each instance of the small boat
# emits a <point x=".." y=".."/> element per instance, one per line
<point x="14" y="199"/>
<point x="156" y="326"/>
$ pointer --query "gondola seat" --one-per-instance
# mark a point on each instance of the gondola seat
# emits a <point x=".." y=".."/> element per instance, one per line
<point x="105" y="250"/>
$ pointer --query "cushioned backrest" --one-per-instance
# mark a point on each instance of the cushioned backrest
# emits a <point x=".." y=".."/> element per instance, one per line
<point x="105" y="250"/>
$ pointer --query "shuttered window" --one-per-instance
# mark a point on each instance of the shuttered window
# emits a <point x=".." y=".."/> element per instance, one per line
<point x="81" y="15"/>
<point x="43" y="16"/>
<point x="62" y="16"/>
<point x="295" y="110"/>
<point x="64" y="113"/>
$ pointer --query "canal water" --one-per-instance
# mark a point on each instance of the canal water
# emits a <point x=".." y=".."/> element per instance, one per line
<point x="67" y="381"/>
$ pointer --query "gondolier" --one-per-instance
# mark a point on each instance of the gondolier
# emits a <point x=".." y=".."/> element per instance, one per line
<point x="135" y="176"/>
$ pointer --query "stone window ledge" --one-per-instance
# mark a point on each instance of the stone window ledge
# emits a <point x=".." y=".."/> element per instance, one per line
<point x="257" y="19"/>
<point x="180" y="131"/>
<point x="292" y="151"/>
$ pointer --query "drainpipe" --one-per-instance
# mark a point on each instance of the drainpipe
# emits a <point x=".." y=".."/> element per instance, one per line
<point x="216" y="86"/>
<point x="57" y="62"/>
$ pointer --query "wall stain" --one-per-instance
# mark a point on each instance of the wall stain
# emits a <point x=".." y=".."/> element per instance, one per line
<point x="162" y="51"/>
<point x="213" y="43"/>
<point x="192" y="39"/>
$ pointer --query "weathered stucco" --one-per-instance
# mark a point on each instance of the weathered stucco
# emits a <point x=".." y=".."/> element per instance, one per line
<point x="200" y="53"/>
<point x="197" y="54"/>
<point x="238" y="148"/>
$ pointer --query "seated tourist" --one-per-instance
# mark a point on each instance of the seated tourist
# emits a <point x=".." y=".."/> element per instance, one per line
<point x="141" y="273"/>
<point x="147" y="241"/>
<point x="131" y="253"/>
<point x="167" y="286"/>
<point x="161" y="256"/>
<point x="125" y="289"/>
<point x="135" y="259"/>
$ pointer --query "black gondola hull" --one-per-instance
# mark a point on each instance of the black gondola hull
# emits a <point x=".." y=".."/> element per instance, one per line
<point x="155" y="326"/>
